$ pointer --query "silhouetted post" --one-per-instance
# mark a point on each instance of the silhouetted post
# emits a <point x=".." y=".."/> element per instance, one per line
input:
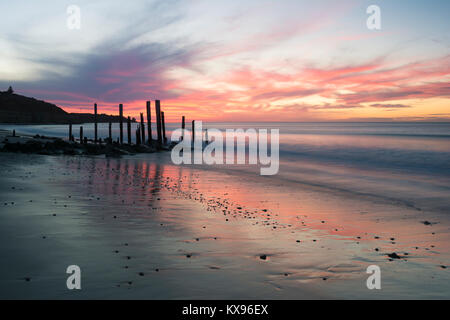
<point x="183" y="126"/>
<point x="70" y="132"/>
<point x="193" y="131"/>
<point x="158" y="122"/>
<point x="14" y="133"/>
<point x="149" y="123"/>
<point x="129" y="129"/>
<point x="163" y="127"/>
<point x="110" y="132"/>
<point x="138" y="136"/>
<point x="95" y="122"/>
<point x="81" y="134"/>
<point x="121" y="122"/>
<point x="142" y="128"/>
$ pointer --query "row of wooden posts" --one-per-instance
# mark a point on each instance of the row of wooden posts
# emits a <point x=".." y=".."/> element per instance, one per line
<point x="140" y="131"/>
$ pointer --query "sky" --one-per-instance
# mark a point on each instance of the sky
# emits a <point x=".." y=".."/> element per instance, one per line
<point x="219" y="60"/>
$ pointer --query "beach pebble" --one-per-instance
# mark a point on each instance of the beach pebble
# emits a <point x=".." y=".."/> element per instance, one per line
<point x="393" y="255"/>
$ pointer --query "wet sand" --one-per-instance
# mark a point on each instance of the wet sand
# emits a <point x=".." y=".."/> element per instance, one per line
<point x="140" y="227"/>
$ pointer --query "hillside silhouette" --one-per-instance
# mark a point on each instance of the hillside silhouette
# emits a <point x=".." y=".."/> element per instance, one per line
<point x="15" y="108"/>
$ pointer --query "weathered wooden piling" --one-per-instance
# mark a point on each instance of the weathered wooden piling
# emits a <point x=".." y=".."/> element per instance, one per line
<point x="142" y="128"/>
<point x="163" y="127"/>
<point x="129" y="129"/>
<point x="81" y="134"/>
<point x="183" y="126"/>
<point x="138" y="136"/>
<point x="95" y="122"/>
<point x="110" y="132"/>
<point x="193" y="132"/>
<point x="121" y="122"/>
<point x="158" y="122"/>
<point x="149" y="123"/>
<point x="70" y="132"/>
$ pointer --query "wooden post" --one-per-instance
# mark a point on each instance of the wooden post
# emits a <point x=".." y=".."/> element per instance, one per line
<point x="121" y="122"/>
<point x="138" y="136"/>
<point x="158" y="122"/>
<point x="70" y="132"/>
<point x="149" y="123"/>
<point x="110" y="133"/>
<point x="163" y="127"/>
<point x="129" y="129"/>
<point x="142" y="128"/>
<point x="193" y="132"/>
<point x="81" y="134"/>
<point x="183" y="126"/>
<point x="95" y="122"/>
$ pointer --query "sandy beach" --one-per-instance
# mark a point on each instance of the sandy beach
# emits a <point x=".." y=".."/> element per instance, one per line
<point x="140" y="227"/>
<point x="225" y="158"/>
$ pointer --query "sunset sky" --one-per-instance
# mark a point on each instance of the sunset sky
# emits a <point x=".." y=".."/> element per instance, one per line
<point x="224" y="60"/>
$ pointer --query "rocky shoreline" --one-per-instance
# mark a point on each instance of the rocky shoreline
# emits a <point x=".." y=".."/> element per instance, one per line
<point x="56" y="146"/>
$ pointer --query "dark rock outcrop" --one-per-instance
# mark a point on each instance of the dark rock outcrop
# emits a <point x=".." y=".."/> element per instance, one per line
<point x="15" y="108"/>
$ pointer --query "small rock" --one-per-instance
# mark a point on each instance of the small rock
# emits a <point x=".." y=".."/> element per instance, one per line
<point x="393" y="255"/>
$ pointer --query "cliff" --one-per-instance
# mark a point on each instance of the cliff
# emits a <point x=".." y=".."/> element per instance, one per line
<point x="15" y="108"/>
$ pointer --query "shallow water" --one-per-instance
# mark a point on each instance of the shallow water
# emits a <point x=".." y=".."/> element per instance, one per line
<point x="360" y="190"/>
<point x="205" y="230"/>
<point x="407" y="163"/>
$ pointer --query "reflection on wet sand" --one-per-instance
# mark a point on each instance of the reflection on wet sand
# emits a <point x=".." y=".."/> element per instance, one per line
<point x="300" y="235"/>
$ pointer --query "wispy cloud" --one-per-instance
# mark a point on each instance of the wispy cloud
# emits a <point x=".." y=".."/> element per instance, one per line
<point x="220" y="60"/>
